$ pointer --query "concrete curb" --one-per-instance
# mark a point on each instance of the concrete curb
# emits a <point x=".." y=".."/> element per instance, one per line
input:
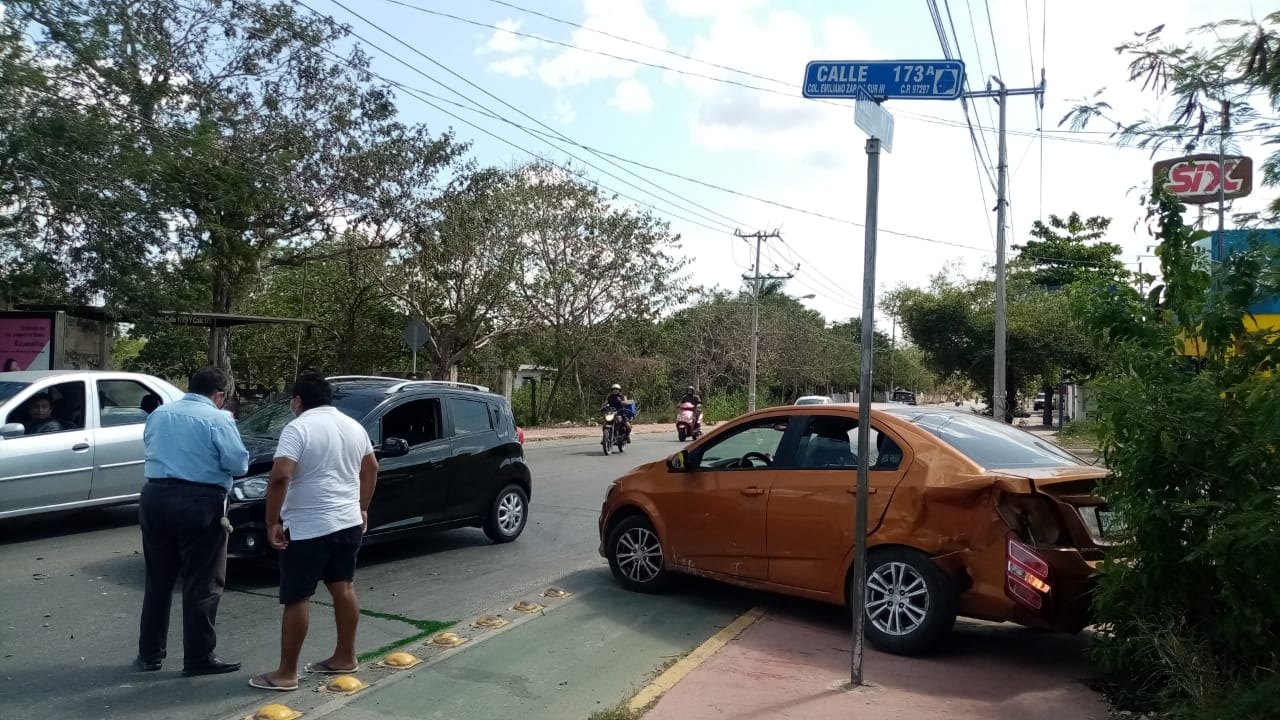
<point x="652" y="692"/>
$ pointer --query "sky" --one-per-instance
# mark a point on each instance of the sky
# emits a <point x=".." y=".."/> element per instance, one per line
<point x="709" y="90"/>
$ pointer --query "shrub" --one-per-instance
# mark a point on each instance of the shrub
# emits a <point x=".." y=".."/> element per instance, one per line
<point x="1191" y="606"/>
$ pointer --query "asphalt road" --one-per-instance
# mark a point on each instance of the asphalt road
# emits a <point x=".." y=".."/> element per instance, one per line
<point x="73" y="587"/>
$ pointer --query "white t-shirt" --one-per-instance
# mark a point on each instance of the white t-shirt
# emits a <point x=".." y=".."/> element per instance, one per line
<point x="324" y="494"/>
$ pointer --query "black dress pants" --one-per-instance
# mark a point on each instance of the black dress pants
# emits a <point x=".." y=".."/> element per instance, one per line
<point x="182" y="538"/>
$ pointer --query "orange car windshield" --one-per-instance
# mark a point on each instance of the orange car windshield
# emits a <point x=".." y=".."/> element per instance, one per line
<point x="990" y="444"/>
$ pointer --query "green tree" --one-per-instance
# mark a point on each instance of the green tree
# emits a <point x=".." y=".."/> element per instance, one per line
<point x="243" y="126"/>
<point x="1066" y="251"/>
<point x="457" y="270"/>
<point x="587" y="265"/>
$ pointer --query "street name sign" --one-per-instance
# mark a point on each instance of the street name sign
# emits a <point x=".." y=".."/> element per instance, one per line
<point x="877" y="122"/>
<point x="884" y="80"/>
<point x="1195" y="179"/>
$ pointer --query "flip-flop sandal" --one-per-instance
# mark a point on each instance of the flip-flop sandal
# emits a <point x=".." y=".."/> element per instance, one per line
<point x="262" y="682"/>
<point x="325" y="668"/>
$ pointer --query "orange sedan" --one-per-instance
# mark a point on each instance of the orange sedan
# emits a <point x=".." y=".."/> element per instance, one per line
<point x="966" y="516"/>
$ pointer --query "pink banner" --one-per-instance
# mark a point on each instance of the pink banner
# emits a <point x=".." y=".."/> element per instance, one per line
<point x="25" y="343"/>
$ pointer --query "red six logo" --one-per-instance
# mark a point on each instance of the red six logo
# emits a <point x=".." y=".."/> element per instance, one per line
<point x="1196" y="179"/>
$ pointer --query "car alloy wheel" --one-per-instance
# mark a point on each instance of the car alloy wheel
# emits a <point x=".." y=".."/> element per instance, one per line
<point x="636" y="557"/>
<point x="897" y="599"/>
<point x="910" y="603"/>
<point x="508" y="514"/>
<point x="639" y="555"/>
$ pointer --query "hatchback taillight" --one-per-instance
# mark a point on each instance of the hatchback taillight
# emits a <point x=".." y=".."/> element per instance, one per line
<point x="520" y="434"/>
<point x="1027" y="575"/>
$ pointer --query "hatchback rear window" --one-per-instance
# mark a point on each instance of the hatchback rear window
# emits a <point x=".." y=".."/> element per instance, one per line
<point x="992" y="444"/>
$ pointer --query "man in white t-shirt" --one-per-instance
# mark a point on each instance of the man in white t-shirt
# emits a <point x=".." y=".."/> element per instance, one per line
<point x="318" y="497"/>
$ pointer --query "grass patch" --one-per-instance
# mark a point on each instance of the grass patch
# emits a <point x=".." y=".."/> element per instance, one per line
<point x="1079" y="434"/>
<point x="621" y="711"/>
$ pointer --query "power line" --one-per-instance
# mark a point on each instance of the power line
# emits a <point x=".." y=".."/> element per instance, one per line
<point x="555" y="133"/>
<point x="977" y="147"/>
<point x="995" y="44"/>
<point x="792" y="92"/>
<point x="421" y="96"/>
<point x="977" y="48"/>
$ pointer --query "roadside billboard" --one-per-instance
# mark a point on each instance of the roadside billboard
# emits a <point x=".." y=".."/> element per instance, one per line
<point x="27" y="341"/>
<point x="1197" y="179"/>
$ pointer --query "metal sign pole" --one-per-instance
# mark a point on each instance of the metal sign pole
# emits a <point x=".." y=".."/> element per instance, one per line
<point x="858" y="599"/>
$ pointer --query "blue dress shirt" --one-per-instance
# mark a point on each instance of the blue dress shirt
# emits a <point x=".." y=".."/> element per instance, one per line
<point x="193" y="440"/>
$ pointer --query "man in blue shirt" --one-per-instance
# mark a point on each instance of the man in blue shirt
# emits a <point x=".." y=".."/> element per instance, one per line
<point x="193" y="450"/>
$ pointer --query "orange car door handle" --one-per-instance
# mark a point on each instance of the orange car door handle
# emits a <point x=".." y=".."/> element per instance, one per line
<point x="854" y="491"/>
<point x="752" y="491"/>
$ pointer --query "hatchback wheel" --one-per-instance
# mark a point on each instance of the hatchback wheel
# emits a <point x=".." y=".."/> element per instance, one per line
<point x="508" y="515"/>
<point x="635" y="556"/>
<point x="910" y="603"/>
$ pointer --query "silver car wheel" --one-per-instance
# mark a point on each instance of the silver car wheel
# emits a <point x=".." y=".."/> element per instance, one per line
<point x="639" y="554"/>
<point x="510" y="512"/>
<point x="897" y="599"/>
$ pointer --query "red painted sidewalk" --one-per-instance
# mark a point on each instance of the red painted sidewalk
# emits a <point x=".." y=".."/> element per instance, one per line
<point x="790" y="666"/>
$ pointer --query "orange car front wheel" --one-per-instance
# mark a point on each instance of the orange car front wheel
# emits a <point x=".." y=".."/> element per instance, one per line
<point x="636" y="557"/>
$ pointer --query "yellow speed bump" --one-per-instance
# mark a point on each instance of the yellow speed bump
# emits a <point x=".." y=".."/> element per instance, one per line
<point x="490" y="622"/>
<point x="447" y="639"/>
<point x="556" y="593"/>
<point x="526" y="607"/>
<point x="345" y="685"/>
<point x="274" y="711"/>
<point x="399" y="661"/>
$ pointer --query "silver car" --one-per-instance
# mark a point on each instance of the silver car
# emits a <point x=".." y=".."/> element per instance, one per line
<point x="85" y="449"/>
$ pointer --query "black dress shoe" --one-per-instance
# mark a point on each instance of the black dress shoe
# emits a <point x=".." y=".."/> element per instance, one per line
<point x="212" y="666"/>
<point x="146" y="665"/>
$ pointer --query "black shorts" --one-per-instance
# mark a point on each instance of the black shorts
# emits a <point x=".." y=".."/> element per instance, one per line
<point x="331" y="558"/>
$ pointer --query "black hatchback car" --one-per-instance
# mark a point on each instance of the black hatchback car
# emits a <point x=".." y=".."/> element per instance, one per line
<point x="449" y="457"/>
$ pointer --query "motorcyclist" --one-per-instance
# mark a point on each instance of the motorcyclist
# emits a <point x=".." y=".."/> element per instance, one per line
<point x="618" y="401"/>
<point x="691" y="396"/>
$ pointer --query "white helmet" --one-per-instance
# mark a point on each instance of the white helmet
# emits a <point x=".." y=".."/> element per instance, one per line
<point x="615" y="386"/>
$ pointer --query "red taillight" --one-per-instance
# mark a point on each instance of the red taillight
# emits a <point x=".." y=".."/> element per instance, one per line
<point x="520" y="434"/>
<point x="1027" y="575"/>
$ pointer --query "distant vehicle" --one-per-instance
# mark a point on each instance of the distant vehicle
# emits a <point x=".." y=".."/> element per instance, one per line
<point x="1038" y="404"/>
<point x="813" y="400"/>
<point x="904" y="396"/>
<point x="449" y="453"/>
<point x="94" y="459"/>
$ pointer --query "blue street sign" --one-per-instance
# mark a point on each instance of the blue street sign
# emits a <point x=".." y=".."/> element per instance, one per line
<point x="884" y="80"/>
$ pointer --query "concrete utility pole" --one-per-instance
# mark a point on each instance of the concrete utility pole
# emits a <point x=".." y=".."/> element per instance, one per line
<point x="756" y="279"/>
<point x="1002" y="94"/>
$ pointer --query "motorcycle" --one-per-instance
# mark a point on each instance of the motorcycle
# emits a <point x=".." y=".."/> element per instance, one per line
<point x="688" y="424"/>
<point x="613" y="431"/>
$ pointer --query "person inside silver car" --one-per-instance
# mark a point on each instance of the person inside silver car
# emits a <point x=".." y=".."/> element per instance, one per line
<point x="40" y="414"/>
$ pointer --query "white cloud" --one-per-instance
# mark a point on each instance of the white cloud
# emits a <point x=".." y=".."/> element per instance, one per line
<point x="518" y="66"/>
<point x="623" y="18"/>
<point x="502" y="41"/>
<point x="631" y="96"/>
<point x="564" y="111"/>
<point x="712" y="8"/>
